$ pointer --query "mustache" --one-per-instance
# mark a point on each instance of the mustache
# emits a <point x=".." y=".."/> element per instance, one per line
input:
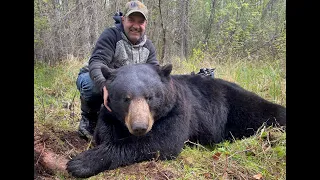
<point x="135" y="29"/>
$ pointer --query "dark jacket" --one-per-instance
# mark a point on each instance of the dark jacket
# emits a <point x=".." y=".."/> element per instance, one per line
<point x="115" y="50"/>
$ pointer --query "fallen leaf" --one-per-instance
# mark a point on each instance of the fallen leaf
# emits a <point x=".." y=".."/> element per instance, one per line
<point x="216" y="156"/>
<point x="257" y="176"/>
<point x="207" y="175"/>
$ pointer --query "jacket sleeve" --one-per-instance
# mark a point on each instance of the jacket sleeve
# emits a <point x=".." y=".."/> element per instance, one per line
<point x="102" y="55"/>
<point x="152" y="58"/>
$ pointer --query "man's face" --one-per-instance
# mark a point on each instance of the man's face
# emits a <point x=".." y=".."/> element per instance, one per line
<point x="134" y="26"/>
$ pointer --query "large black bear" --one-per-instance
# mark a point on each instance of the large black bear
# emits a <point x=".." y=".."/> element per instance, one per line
<point x="154" y="113"/>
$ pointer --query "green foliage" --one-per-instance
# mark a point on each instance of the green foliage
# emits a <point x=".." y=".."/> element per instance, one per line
<point x="54" y="91"/>
<point x="242" y="30"/>
<point x="197" y="56"/>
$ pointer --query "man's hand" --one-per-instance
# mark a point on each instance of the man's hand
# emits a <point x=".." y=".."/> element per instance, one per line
<point x="105" y="98"/>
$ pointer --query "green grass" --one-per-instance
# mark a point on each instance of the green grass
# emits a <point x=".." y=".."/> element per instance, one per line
<point x="57" y="106"/>
<point x="54" y="92"/>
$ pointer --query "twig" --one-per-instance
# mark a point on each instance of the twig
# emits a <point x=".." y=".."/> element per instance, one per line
<point x="237" y="173"/>
<point x="268" y="138"/>
<point x="234" y="139"/>
<point x="164" y="175"/>
<point x="188" y="141"/>
<point x="70" y="144"/>
<point x="89" y="143"/>
<point x="44" y="109"/>
<point x="239" y="152"/>
<point x="72" y="104"/>
<point x="44" y="146"/>
<point x="226" y="166"/>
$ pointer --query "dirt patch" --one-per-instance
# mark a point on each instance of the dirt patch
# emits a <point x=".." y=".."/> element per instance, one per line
<point x="53" y="149"/>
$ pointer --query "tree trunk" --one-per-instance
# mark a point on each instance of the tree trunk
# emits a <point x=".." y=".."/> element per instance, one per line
<point x="56" y="36"/>
<point x="163" y="35"/>
<point x="210" y="22"/>
<point x="268" y="7"/>
<point x="183" y="31"/>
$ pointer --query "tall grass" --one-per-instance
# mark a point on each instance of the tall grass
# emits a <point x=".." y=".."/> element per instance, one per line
<point x="266" y="78"/>
<point x="55" y="94"/>
<point x="57" y="106"/>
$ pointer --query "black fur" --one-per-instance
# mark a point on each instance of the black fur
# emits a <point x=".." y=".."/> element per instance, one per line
<point x="184" y="107"/>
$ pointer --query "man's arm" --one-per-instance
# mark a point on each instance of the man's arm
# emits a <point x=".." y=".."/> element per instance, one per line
<point x="102" y="55"/>
<point x="152" y="58"/>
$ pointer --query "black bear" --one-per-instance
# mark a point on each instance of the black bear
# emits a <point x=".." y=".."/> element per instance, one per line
<point x="154" y="113"/>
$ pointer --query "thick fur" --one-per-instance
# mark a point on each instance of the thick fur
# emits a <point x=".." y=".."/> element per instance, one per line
<point x="182" y="107"/>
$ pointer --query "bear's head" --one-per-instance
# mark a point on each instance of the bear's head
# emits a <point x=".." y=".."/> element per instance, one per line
<point x="139" y="94"/>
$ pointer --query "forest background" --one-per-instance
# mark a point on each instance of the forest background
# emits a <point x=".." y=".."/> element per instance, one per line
<point x="216" y="30"/>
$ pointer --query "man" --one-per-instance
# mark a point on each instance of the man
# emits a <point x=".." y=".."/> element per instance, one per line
<point x="126" y="43"/>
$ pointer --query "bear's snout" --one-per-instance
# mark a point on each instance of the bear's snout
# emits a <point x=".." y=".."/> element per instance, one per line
<point x="139" y="120"/>
<point x="139" y="129"/>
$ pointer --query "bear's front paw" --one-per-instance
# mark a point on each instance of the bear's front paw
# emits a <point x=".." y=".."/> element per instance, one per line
<point x="83" y="166"/>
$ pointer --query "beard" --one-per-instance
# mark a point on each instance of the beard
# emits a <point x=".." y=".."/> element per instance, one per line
<point x="134" y="34"/>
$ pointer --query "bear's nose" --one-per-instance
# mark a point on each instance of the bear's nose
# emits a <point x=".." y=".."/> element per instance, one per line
<point x="139" y="129"/>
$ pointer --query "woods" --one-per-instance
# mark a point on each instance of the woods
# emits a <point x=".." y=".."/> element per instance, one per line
<point x="253" y="29"/>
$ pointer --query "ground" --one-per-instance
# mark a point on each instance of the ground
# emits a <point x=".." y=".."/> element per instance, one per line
<point x="52" y="150"/>
<point x="52" y="153"/>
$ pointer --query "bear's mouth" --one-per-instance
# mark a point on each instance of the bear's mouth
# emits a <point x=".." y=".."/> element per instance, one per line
<point x="139" y="119"/>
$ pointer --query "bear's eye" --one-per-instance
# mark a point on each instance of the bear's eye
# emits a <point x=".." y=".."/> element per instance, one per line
<point x="149" y="98"/>
<point x="127" y="99"/>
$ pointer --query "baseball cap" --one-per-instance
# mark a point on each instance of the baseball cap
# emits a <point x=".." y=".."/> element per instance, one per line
<point x="136" y="6"/>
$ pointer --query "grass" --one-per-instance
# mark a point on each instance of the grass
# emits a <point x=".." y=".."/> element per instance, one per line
<point x="262" y="156"/>
<point x="54" y="89"/>
<point x="241" y="159"/>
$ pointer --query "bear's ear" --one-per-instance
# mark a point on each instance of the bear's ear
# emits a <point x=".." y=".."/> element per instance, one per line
<point x="166" y="69"/>
<point x="107" y="72"/>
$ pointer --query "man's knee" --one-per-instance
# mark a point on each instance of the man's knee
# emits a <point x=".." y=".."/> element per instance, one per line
<point x="86" y="88"/>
